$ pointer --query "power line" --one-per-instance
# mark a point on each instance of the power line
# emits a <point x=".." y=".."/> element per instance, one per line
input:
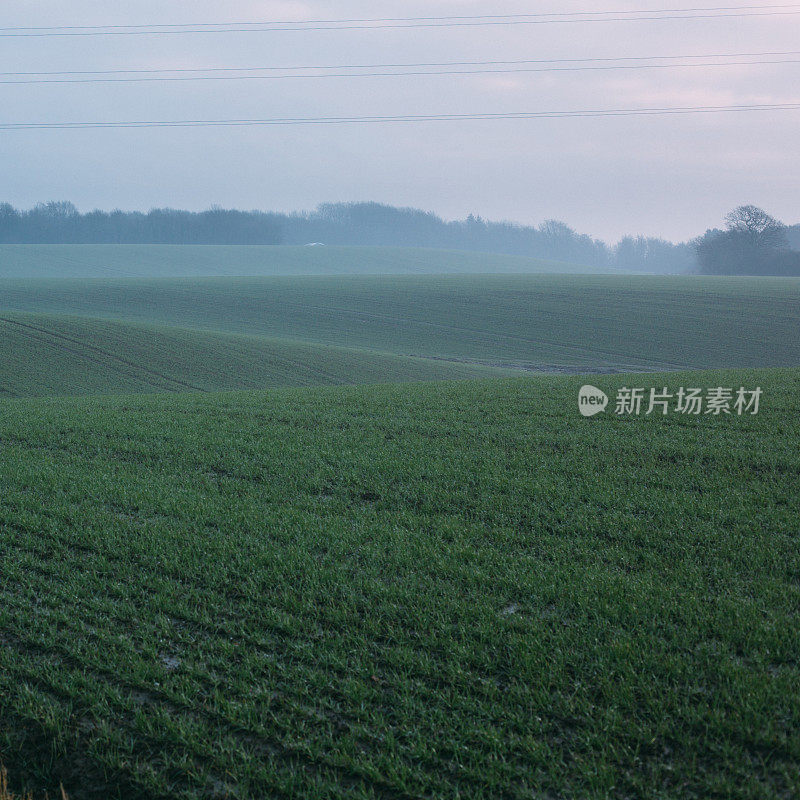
<point x="295" y="75"/>
<point x="407" y="64"/>
<point x="411" y="19"/>
<point x="320" y="67"/>
<point x="725" y="12"/>
<point x="511" y="115"/>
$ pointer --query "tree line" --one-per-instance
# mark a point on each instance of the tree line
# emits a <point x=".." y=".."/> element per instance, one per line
<point x="383" y="225"/>
<point x="336" y="224"/>
<point x="62" y="223"/>
<point x="378" y="224"/>
<point x="752" y="243"/>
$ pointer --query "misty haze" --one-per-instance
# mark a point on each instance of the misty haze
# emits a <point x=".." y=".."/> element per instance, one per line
<point x="399" y="401"/>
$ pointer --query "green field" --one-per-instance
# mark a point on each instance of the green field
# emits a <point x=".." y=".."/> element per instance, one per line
<point x="440" y="590"/>
<point x="456" y="587"/>
<point x="62" y="355"/>
<point x="152" y="260"/>
<point x="552" y="323"/>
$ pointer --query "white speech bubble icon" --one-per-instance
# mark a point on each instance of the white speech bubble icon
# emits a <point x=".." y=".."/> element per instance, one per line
<point x="591" y="400"/>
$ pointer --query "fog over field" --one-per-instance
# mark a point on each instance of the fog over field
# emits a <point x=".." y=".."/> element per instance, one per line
<point x="399" y="401"/>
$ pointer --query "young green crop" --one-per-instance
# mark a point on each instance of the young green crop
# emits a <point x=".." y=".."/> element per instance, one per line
<point x="545" y="322"/>
<point x="42" y="355"/>
<point x="430" y="590"/>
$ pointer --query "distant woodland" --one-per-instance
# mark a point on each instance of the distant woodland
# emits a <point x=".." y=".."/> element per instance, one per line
<point x="378" y="224"/>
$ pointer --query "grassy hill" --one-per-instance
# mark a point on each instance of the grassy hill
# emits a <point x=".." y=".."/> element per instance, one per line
<point x="434" y="590"/>
<point x="550" y="322"/>
<point x="153" y="260"/>
<point x="51" y="355"/>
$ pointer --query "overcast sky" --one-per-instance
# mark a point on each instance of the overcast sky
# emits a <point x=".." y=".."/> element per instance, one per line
<point x="671" y="176"/>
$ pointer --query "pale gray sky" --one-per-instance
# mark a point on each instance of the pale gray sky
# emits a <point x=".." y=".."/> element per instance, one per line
<point x="671" y="176"/>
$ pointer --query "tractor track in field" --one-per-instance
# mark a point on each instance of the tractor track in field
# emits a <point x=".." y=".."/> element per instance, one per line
<point x="98" y="350"/>
<point x="284" y="695"/>
<point x="254" y="738"/>
<point x="292" y="702"/>
<point x="259" y="738"/>
<point x="45" y="339"/>
<point x="41" y="656"/>
<point x="271" y="640"/>
<point x="548" y="369"/>
<point x="279" y="636"/>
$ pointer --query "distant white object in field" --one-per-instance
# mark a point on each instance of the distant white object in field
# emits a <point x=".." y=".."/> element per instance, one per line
<point x="315" y="244"/>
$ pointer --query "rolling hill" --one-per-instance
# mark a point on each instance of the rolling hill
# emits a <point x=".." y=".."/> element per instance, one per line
<point x="146" y="260"/>
<point x="60" y="355"/>
<point x="540" y="322"/>
<point x="447" y="588"/>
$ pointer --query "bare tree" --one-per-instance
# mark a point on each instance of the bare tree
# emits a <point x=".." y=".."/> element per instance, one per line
<point x="757" y="227"/>
<point x="754" y="243"/>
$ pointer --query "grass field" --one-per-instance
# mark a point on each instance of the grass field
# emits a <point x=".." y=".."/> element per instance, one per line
<point x="434" y="590"/>
<point x="546" y="322"/>
<point x="152" y="260"/>
<point x="451" y="589"/>
<point x="62" y="355"/>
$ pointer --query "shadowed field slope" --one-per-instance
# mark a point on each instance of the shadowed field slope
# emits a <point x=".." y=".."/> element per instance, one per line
<point x="49" y="355"/>
<point x="152" y="260"/>
<point x="434" y="590"/>
<point x="551" y="322"/>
